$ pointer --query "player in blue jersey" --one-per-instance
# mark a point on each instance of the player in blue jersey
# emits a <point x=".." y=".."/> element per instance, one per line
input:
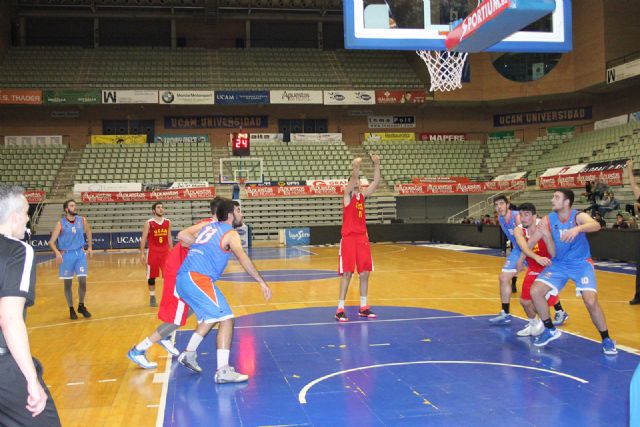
<point x="568" y="228"/>
<point x="207" y="259"/>
<point x="69" y="233"/>
<point x="509" y="220"/>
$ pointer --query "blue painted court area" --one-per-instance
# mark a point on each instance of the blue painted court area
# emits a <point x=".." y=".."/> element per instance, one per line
<point x="409" y="367"/>
<point x="282" y="275"/>
<point x="610" y="266"/>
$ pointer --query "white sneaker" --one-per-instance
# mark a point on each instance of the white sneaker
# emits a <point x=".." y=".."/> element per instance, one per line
<point x="168" y="345"/>
<point x="189" y="359"/>
<point x="228" y="374"/>
<point x="139" y="358"/>
<point x="534" y="329"/>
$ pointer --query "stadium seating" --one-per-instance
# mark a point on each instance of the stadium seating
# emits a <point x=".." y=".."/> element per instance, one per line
<point x="403" y="160"/>
<point x="301" y="161"/>
<point x="148" y="163"/>
<point x="31" y="167"/>
<point x="193" y="68"/>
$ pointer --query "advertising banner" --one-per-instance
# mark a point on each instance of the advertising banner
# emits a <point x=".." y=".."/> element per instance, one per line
<point x="297" y="236"/>
<point x="510" y="176"/>
<point x="610" y="122"/>
<point x="182" y="139"/>
<point x="32" y="140"/>
<point x="560" y="130"/>
<point x="40" y="242"/>
<point x="20" y="96"/>
<point x="118" y="139"/>
<point x="129" y="96"/>
<point x="246" y="97"/>
<point x="99" y="187"/>
<point x="126" y="240"/>
<point x="510" y="184"/>
<point x="623" y="71"/>
<point x="349" y="97"/>
<point x="543" y="116"/>
<point x="279" y="184"/>
<point x="390" y="136"/>
<point x="216" y="122"/>
<point x="34" y="196"/>
<point x="72" y="97"/>
<point x="186" y="97"/>
<point x="296" y="96"/>
<point x="439" y="137"/>
<point x="266" y="137"/>
<point x="301" y="191"/>
<point x="324" y="182"/>
<point x="316" y="137"/>
<point x="577" y="176"/>
<point x="503" y="134"/>
<point x="401" y="97"/>
<point x="391" y="122"/>
<point x="440" y="188"/>
<point x="148" y="196"/>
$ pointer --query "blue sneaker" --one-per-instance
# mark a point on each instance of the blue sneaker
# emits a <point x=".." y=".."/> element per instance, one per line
<point x="167" y="344"/>
<point x="609" y="347"/>
<point x="140" y="358"/>
<point x="501" y="319"/>
<point x="560" y="317"/>
<point x="546" y="337"/>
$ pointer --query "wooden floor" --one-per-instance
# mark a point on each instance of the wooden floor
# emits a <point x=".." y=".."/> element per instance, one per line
<point x="93" y="382"/>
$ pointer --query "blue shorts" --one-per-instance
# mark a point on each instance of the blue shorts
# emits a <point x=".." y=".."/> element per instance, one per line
<point x="203" y="296"/>
<point x="559" y="273"/>
<point x="73" y="262"/>
<point x="510" y="265"/>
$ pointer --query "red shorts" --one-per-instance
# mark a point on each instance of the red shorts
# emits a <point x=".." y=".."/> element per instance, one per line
<point x="155" y="263"/>
<point x="529" y="278"/>
<point x="355" y="252"/>
<point x="172" y="308"/>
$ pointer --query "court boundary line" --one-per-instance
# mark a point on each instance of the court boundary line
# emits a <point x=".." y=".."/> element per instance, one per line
<point x="302" y="395"/>
<point x="162" y="405"/>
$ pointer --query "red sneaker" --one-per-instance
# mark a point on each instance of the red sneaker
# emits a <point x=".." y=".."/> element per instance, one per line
<point x="340" y="316"/>
<point x="366" y="312"/>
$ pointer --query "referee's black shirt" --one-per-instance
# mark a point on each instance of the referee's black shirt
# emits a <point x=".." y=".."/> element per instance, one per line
<point x="17" y="273"/>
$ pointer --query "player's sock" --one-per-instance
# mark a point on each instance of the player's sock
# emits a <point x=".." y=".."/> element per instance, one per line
<point x="505" y="308"/>
<point x="363" y="301"/>
<point x="144" y="345"/>
<point x="548" y="323"/>
<point x="604" y="334"/>
<point x="341" y="304"/>
<point x="558" y="306"/>
<point x="152" y="293"/>
<point x="194" y="342"/>
<point x="533" y="321"/>
<point x="223" y="357"/>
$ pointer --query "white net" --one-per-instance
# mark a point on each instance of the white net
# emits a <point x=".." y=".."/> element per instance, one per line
<point x="445" y="68"/>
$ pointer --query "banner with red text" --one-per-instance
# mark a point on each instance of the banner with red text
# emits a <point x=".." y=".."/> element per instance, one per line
<point x="457" y="185"/>
<point x="148" y="196"/>
<point x="442" y="136"/>
<point x="577" y="176"/>
<point x="294" y="191"/>
<point x="34" y="196"/>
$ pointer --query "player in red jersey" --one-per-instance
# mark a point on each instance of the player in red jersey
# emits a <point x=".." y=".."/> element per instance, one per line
<point x="355" y="251"/>
<point x="173" y="311"/>
<point x="537" y="255"/>
<point x="158" y="231"/>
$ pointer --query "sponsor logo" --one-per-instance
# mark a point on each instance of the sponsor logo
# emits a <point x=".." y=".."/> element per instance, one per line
<point x="298" y="234"/>
<point x="363" y="96"/>
<point x="167" y="97"/>
<point x="128" y="239"/>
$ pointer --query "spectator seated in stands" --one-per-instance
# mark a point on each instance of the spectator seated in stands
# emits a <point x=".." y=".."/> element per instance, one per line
<point x="469" y="220"/>
<point x="588" y="191"/>
<point x="487" y="220"/>
<point x="620" y="222"/>
<point x="599" y="220"/>
<point x="607" y="204"/>
<point x="633" y="223"/>
<point x="599" y="189"/>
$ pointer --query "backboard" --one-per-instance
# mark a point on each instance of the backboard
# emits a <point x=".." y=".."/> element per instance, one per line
<point x="424" y="24"/>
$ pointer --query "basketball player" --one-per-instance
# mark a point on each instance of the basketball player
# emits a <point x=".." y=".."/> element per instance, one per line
<point x="538" y="256"/>
<point x="70" y="231"/>
<point x="568" y="228"/>
<point x="25" y="401"/>
<point x="636" y="193"/>
<point x="355" y="251"/>
<point x="509" y="219"/>
<point x="207" y="259"/>
<point x="173" y="311"/>
<point x="158" y="231"/>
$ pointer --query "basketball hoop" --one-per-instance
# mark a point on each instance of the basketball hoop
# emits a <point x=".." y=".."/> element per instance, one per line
<point x="445" y="68"/>
<point x="242" y="181"/>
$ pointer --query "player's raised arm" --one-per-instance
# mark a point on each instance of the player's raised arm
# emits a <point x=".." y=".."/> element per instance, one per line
<point x="632" y="180"/>
<point x="353" y="181"/>
<point x="232" y="240"/>
<point x="376" y="176"/>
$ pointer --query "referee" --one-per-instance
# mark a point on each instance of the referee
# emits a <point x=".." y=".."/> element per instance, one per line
<point x="25" y="400"/>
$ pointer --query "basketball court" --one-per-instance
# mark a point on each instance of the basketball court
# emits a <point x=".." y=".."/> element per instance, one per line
<point x="431" y="357"/>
